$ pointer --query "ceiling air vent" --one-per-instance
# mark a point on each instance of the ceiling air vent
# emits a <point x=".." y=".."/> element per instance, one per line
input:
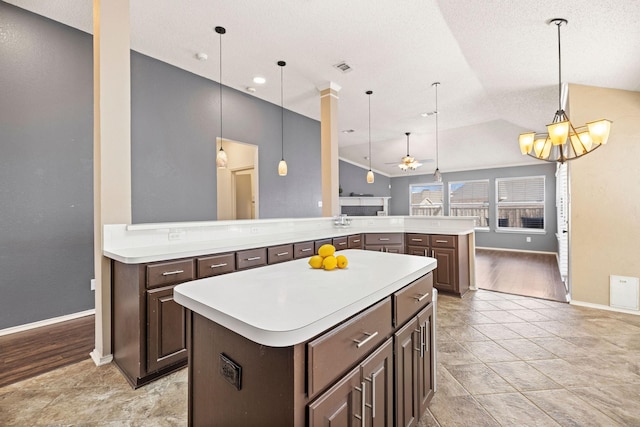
<point x="343" y="66"/>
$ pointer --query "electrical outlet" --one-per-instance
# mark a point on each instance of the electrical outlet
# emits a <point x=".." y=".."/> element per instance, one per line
<point x="93" y="284"/>
<point x="254" y="230"/>
<point x="177" y="234"/>
<point x="528" y="239"/>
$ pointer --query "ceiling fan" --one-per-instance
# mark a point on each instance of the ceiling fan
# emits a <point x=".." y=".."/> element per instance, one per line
<point x="409" y="162"/>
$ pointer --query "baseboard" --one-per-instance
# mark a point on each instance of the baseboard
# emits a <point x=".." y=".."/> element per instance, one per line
<point x="604" y="307"/>
<point x="517" y="250"/>
<point x="99" y="359"/>
<point x="46" y="322"/>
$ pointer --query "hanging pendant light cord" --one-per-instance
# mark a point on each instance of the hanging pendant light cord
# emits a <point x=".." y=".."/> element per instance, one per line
<point x="220" y="31"/>
<point x="282" y="64"/>
<point x="437" y="112"/>
<point x="369" y="93"/>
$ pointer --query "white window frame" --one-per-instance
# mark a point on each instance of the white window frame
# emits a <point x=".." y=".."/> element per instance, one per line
<point x="426" y="184"/>
<point x="500" y="204"/>
<point x="486" y="204"/>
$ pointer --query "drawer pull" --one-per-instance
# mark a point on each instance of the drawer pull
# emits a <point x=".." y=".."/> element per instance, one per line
<point x="342" y="243"/>
<point x="283" y="253"/>
<point x="253" y="258"/>
<point x="416" y="240"/>
<point x="224" y="264"/>
<point x="372" y="380"/>
<point x="305" y="250"/>
<point x="363" y="403"/>
<point x="442" y="241"/>
<point x="171" y="273"/>
<point x="383" y="239"/>
<point x="422" y="342"/>
<point x="421" y="297"/>
<point x="366" y="340"/>
<point x="356" y="240"/>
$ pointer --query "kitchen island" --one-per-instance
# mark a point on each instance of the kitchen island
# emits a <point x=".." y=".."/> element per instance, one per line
<point x="287" y="345"/>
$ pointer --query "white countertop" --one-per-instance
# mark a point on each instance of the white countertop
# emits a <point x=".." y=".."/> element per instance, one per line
<point x="289" y="303"/>
<point x="140" y="243"/>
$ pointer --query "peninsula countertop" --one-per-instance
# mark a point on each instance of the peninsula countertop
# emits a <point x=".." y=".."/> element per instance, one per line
<point x="289" y="303"/>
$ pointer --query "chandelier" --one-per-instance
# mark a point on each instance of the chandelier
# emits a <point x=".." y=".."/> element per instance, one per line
<point x="552" y="146"/>
<point x="409" y="162"/>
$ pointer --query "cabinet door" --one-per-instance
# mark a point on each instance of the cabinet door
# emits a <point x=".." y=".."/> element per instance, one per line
<point x="425" y="359"/>
<point x="166" y="329"/>
<point x="406" y="342"/>
<point x="341" y="405"/>
<point x="445" y="273"/>
<point x="417" y="250"/>
<point x="377" y="377"/>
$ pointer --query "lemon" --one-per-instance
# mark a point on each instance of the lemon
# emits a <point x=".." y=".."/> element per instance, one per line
<point x="342" y="261"/>
<point x="326" y="250"/>
<point x="329" y="263"/>
<point x="315" y="261"/>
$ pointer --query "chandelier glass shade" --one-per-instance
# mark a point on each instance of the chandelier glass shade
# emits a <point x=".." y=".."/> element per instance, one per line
<point x="409" y="162"/>
<point x="563" y="141"/>
<point x="221" y="157"/>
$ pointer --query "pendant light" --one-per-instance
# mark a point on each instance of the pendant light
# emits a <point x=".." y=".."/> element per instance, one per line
<point x="370" y="177"/>
<point x="282" y="166"/>
<point x="437" y="177"/>
<point x="221" y="157"/>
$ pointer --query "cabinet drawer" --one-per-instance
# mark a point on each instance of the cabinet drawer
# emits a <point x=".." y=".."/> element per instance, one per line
<point x="216" y="264"/>
<point x="417" y="239"/>
<point x="251" y="258"/>
<point x="383" y="239"/>
<point x="276" y="254"/>
<point x="340" y="243"/>
<point x="355" y="241"/>
<point x="442" y="241"/>
<point x="319" y="243"/>
<point x="410" y="299"/>
<point x="302" y="250"/>
<point x="333" y="353"/>
<point x="418" y="250"/>
<point x="168" y="273"/>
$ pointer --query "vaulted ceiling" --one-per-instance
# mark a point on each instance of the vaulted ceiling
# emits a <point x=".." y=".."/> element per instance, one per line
<point x="496" y="60"/>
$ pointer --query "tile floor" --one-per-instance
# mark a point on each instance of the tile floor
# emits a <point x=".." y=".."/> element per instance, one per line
<point x="503" y="360"/>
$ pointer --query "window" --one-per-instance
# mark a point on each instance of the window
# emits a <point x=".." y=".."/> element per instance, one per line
<point x="520" y="202"/>
<point x="426" y="199"/>
<point x="470" y="198"/>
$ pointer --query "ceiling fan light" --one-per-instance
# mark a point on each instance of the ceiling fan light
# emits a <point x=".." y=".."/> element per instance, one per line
<point x="558" y="132"/>
<point x="370" y="177"/>
<point x="599" y="131"/>
<point x="526" y="142"/>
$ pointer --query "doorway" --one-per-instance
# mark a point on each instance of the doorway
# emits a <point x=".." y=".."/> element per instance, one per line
<point x="237" y="184"/>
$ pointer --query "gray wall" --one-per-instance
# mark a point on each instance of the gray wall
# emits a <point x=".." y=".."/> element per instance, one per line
<point x="46" y="162"/>
<point x="46" y="159"/>
<point x="547" y="242"/>
<point x="175" y="121"/>
<point x="353" y="179"/>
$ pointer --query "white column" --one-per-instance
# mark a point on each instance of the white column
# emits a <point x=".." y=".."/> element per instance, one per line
<point x="329" y="151"/>
<point x="111" y="148"/>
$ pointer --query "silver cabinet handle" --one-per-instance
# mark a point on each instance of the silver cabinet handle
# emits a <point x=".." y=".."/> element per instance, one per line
<point x="425" y="252"/>
<point x="342" y="243"/>
<point x="442" y="241"/>
<point x="305" y="250"/>
<point x="383" y="239"/>
<point x="362" y="390"/>
<point x="281" y="254"/>
<point x="419" y="345"/>
<point x="372" y="380"/>
<point x="253" y="258"/>
<point x="171" y="273"/>
<point x="416" y="240"/>
<point x="426" y="341"/>
<point x="224" y="264"/>
<point x="421" y="297"/>
<point x="421" y="342"/>
<point x="366" y="340"/>
<point x="356" y="240"/>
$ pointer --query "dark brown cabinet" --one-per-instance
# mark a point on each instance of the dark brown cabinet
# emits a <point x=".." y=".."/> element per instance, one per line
<point x="384" y="242"/>
<point x="414" y="368"/>
<point x="302" y="250"/>
<point x="340" y="243"/>
<point x="276" y="254"/>
<point x="452" y="254"/>
<point x="149" y="327"/>
<point x="354" y="241"/>
<point x="251" y="258"/>
<point x="364" y="396"/>
<point x="216" y="265"/>
<point x="166" y="329"/>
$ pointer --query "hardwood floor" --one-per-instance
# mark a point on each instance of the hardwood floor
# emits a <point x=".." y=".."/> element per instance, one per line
<point x="30" y="353"/>
<point x="520" y="273"/>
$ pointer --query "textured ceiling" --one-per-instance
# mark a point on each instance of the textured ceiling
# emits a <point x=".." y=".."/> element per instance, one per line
<point x="496" y="61"/>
